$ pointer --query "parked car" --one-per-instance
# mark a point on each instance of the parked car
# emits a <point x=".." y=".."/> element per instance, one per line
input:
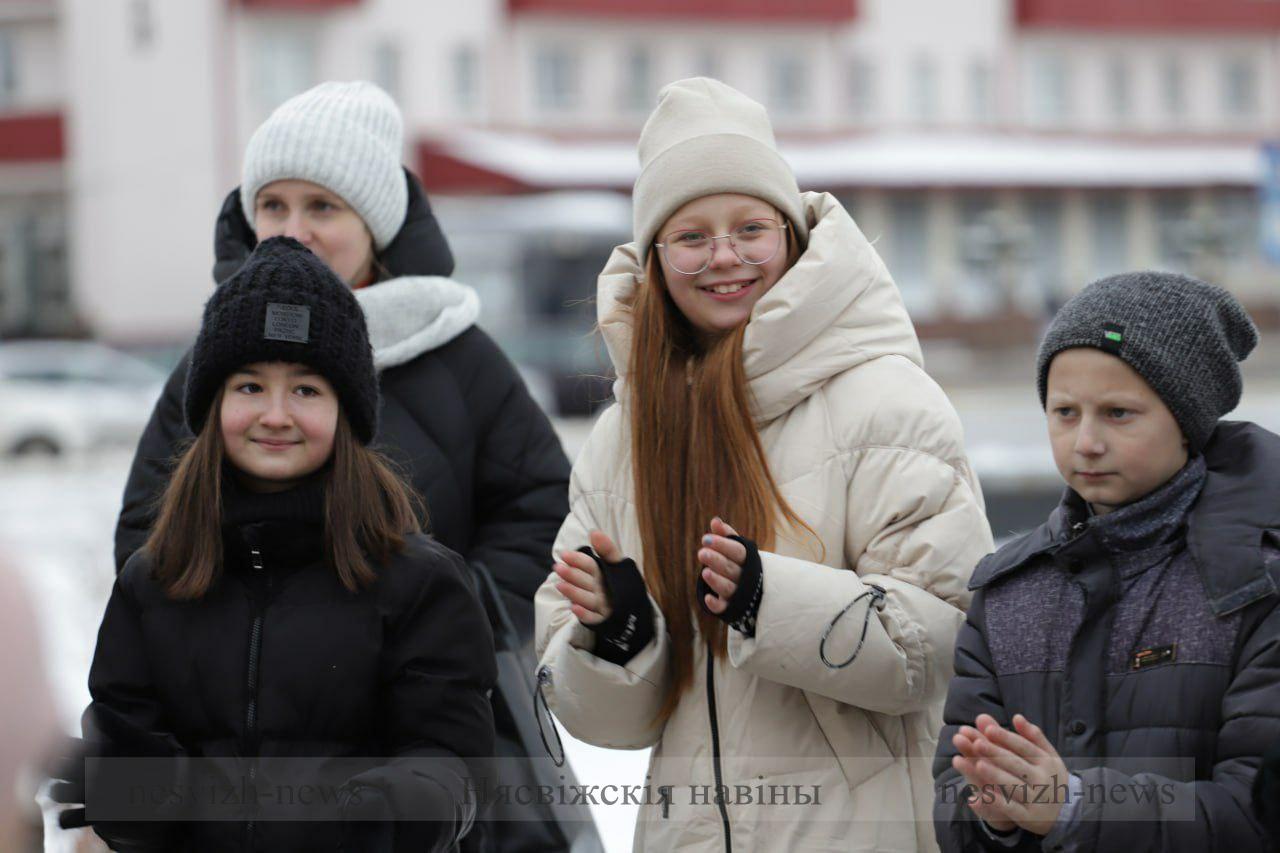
<point x="60" y="397"/>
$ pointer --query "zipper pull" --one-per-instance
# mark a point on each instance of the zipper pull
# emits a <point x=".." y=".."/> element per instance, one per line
<point x="544" y="678"/>
<point x="255" y="558"/>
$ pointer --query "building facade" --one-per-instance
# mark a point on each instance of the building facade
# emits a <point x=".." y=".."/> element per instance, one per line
<point x="1001" y="153"/>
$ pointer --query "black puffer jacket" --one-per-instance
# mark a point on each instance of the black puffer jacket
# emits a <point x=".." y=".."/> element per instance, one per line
<point x="458" y="420"/>
<point x="279" y="661"/>
<point x="1147" y="648"/>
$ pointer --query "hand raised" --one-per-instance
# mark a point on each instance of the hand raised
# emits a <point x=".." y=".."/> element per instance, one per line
<point x="721" y="559"/>
<point x="1022" y="762"/>
<point x="581" y="582"/>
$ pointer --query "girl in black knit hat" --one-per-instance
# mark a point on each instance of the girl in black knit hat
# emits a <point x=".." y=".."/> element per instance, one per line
<point x="286" y="619"/>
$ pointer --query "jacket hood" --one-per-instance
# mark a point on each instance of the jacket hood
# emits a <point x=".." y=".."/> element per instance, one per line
<point x="419" y="247"/>
<point x="415" y="314"/>
<point x="836" y="308"/>
<point x="419" y="309"/>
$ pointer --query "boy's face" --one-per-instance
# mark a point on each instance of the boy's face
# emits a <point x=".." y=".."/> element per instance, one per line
<point x="1114" y="441"/>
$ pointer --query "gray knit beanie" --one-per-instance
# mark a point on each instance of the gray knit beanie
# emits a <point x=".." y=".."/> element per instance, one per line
<point x="706" y="137"/>
<point x="1183" y="336"/>
<point x="346" y="137"/>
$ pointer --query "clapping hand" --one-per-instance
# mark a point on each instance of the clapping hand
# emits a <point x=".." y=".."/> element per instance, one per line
<point x="721" y="559"/>
<point x="1018" y="765"/>
<point x="581" y="581"/>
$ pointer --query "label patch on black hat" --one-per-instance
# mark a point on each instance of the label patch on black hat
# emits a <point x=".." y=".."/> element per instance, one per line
<point x="288" y="323"/>
<point x="1112" y="337"/>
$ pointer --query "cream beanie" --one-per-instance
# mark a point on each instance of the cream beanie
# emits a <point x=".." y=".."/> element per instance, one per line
<point x="706" y="137"/>
<point x="346" y="137"/>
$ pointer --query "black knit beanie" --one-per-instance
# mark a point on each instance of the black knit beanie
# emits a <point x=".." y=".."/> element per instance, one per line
<point x="1184" y="336"/>
<point x="285" y="304"/>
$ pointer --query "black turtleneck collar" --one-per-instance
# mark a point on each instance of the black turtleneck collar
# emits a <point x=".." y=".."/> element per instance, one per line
<point x="303" y="503"/>
<point x="287" y="527"/>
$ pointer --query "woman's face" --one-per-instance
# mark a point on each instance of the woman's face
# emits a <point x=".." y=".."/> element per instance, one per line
<point x="278" y="421"/>
<point x="319" y="220"/>
<point x="720" y="297"/>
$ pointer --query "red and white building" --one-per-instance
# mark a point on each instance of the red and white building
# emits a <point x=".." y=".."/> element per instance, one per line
<point x="1002" y="153"/>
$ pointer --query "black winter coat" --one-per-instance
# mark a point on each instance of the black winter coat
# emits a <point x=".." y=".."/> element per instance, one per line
<point x="1184" y="715"/>
<point x="457" y="419"/>
<point x="279" y="661"/>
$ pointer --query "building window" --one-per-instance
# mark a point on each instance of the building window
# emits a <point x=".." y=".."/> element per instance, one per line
<point x="1109" y="233"/>
<point x="143" y="23"/>
<point x="284" y="64"/>
<point x="1238" y="213"/>
<point x="984" y="251"/>
<point x="466" y="78"/>
<point x="386" y="67"/>
<point x="1173" y="87"/>
<point x="637" y="80"/>
<point x="1119" y="89"/>
<point x="1050" y="90"/>
<point x="861" y="89"/>
<point x="35" y="291"/>
<point x="980" y="94"/>
<point x="788" y="84"/>
<point x="1239" y="88"/>
<point x="8" y="67"/>
<point x="1174" y="229"/>
<point x="556" y="78"/>
<point x="924" y="90"/>
<point x="1044" y="215"/>
<point x="909" y="247"/>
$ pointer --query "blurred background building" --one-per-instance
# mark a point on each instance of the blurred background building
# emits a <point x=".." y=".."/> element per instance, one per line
<point x="1001" y="153"/>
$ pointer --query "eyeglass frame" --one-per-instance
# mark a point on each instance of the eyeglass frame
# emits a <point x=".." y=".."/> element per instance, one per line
<point x="711" y="256"/>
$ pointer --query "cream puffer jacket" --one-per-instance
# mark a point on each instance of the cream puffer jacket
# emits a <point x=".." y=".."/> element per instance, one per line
<point x="868" y="450"/>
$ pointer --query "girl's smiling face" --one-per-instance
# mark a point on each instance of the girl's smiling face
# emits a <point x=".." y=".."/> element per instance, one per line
<point x="720" y="298"/>
<point x="278" y="422"/>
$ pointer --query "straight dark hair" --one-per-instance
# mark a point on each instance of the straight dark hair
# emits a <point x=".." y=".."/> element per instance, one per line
<point x="369" y="510"/>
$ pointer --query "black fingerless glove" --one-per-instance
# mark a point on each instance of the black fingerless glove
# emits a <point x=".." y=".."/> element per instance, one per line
<point x="629" y="627"/>
<point x="744" y="604"/>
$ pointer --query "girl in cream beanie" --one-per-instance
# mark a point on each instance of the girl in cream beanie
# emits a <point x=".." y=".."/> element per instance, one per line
<point x="771" y="531"/>
<point x="705" y="138"/>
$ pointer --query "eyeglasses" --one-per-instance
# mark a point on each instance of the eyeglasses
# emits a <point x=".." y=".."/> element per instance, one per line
<point x="755" y="242"/>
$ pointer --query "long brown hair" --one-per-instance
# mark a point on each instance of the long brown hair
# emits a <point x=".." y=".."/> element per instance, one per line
<point x="368" y="513"/>
<point x="695" y="454"/>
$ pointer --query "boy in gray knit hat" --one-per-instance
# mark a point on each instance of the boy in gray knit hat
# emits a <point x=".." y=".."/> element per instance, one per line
<point x="1115" y="683"/>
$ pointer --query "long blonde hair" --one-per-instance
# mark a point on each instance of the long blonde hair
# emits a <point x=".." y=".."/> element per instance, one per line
<point x="695" y="454"/>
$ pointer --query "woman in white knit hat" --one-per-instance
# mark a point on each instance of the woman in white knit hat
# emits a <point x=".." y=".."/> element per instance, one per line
<point x="780" y="516"/>
<point x="325" y="168"/>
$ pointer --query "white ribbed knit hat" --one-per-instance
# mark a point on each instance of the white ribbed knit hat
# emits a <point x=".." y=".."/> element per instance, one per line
<point x="346" y="137"/>
<point x="706" y="137"/>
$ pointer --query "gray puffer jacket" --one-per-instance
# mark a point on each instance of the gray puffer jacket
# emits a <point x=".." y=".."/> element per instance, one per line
<point x="1146" y="644"/>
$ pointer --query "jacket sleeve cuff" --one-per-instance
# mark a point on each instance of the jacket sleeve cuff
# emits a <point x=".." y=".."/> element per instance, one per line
<point x="1068" y="818"/>
<point x="629" y="627"/>
<point x="744" y="604"/>
<point x="1008" y="839"/>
